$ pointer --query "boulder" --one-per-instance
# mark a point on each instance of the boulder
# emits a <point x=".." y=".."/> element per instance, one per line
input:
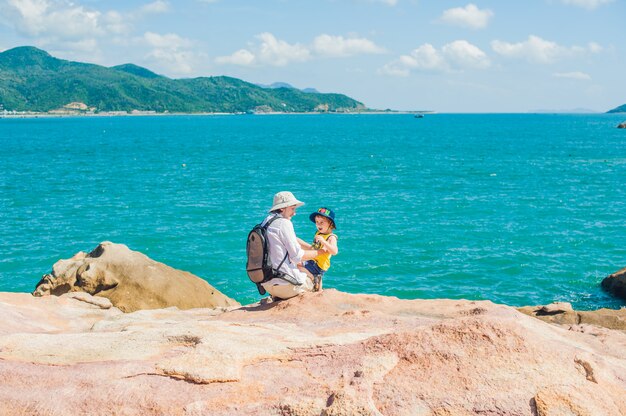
<point x="130" y="280"/>
<point x="616" y="283"/>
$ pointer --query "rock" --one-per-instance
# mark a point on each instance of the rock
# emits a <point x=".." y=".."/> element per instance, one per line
<point x="622" y="125"/>
<point x="322" y="353"/>
<point x="561" y="313"/>
<point x="606" y="318"/>
<point x="556" y="307"/>
<point x="616" y="283"/>
<point x="561" y="317"/>
<point x="100" y="302"/>
<point x="22" y="313"/>
<point x="130" y="280"/>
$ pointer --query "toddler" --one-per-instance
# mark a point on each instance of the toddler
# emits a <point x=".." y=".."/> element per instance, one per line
<point x="324" y="239"/>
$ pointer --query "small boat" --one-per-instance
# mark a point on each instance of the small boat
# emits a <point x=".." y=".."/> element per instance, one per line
<point x="420" y="115"/>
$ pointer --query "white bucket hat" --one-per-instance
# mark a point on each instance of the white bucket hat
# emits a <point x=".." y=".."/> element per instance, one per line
<point x="285" y="199"/>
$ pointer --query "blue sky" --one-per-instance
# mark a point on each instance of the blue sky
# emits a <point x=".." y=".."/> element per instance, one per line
<point x="446" y="56"/>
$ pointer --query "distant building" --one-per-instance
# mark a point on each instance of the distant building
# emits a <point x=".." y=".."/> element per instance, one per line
<point x="323" y="108"/>
<point x="76" y="106"/>
<point x="262" y="109"/>
<point x="73" y="108"/>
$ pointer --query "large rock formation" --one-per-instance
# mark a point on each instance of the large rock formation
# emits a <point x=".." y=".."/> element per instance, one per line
<point x="130" y="280"/>
<point x="616" y="283"/>
<point x="325" y="353"/>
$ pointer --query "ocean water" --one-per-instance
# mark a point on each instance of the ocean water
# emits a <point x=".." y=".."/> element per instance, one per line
<point x="521" y="209"/>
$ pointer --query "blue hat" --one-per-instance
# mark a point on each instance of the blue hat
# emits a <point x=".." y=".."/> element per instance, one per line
<point x="324" y="212"/>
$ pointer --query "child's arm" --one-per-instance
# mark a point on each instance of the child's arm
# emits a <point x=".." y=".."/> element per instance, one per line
<point x="329" y="245"/>
<point x="304" y="244"/>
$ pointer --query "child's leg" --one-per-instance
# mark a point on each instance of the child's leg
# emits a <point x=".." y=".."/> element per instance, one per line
<point x="308" y="273"/>
<point x="317" y="282"/>
<point x="313" y="271"/>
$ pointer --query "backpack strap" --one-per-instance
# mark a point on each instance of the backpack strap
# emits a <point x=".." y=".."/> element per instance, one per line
<point x="281" y="263"/>
<point x="271" y="220"/>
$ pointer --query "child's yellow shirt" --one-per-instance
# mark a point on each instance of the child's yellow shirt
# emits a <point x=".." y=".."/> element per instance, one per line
<point x="322" y="260"/>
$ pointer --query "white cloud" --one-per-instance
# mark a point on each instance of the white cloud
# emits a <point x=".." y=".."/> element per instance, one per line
<point x="158" y="6"/>
<point x="51" y="19"/>
<point x="23" y="16"/>
<point x="425" y="57"/>
<point x="586" y="4"/>
<point x="171" y="52"/>
<point x="538" y="50"/>
<point x="572" y="75"/>
<point x="594" y="47"/>
<point x="72" y="30"/>
<point x="242" y="57"/>
<point x="167" y="41"/>
<point x="387" y="2"/>
<point x="278" y="52"/>
<point x="115" y="23"/>
<point x="269" y="50"/>
<point x="463" y="54"/>
<point x="62" y="25"/>
<point x="469" y="16"/>
<point x="339" y="46"/>
<point x="457" y="55"/>
<point x="395" y="70"/>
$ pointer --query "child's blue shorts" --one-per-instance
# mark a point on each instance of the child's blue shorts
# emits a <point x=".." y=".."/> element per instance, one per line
<point x="312" y="267"/>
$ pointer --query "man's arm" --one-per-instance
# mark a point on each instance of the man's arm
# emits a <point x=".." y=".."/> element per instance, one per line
<point x="292" y="244"/>
<point x="311" y="254"/>
<point x="303" y="244"/>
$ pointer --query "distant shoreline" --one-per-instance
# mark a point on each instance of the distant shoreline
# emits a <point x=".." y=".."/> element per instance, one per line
<point x="147" y="114"/>
<point x="29" y="115"/>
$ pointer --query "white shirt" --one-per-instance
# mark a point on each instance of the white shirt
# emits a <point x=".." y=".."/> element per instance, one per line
<point x="281" y="239"/>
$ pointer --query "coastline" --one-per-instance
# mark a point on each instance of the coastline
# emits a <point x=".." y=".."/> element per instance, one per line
<point x="148" y="113"/>
<point x="29" y="115"/>
<point x="98" y="329"/>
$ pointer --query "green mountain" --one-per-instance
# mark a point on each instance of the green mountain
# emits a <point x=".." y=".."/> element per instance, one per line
<point x="620" y="109"/>
<point x="33" y="80"/>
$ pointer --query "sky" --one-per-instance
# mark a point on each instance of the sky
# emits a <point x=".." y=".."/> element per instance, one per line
<point x="444" y="56"/>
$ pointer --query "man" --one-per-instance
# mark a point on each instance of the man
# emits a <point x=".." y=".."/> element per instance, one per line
<point x="285" y="251"/>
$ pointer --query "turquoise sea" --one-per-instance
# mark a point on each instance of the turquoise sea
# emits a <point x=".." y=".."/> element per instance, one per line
<point x="521" y="209"/>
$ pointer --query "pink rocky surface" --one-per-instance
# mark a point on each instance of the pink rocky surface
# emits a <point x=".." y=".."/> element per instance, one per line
<point x="326" y="353"/>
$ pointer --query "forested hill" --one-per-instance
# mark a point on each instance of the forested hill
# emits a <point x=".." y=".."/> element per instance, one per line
<point x="620" y="109"/>
<point x="33" y="80"/>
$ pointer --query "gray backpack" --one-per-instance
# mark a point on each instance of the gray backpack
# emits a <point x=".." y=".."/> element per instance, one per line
<point x="259" y="266"/>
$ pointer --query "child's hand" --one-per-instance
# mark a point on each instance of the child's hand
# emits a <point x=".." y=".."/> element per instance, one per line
<point x="321" y="242"/>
